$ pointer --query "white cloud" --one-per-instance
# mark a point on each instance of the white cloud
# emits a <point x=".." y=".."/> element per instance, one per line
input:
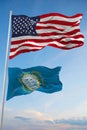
<point x="77" y="112"/>
<point x="35" y="120"/>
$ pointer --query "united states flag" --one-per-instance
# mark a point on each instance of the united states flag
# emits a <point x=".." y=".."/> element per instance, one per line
<point x="53" y="29"/>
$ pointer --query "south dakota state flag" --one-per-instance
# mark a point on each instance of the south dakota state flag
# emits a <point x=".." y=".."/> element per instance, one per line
<point x="39" y="78"/>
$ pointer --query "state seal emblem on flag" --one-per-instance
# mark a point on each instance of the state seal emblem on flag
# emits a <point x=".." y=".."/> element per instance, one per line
<point x="30" y="82"/>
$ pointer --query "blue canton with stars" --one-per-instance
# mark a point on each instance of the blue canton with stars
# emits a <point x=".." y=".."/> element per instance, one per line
<point x="24" y="26"/>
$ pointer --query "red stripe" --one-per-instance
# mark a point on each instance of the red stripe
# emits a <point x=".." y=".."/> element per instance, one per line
<point x="58" y="22"/>
<point x="20" y="51"/>
<point x="65" y="48"/>
<point x="78" y="44"/>
<point x="48" y="27"/>
<point x="38" y="27"/>
<point x="52" y="45"/>
<point x="44" y="40"/>
<point x="61" y="15"/>
<point x="14" y="49"/>
<point x="78" y="36"/>
<point x="56" y="40"/>
<point x="55" y="33"/>
<point x="28" y="45"/>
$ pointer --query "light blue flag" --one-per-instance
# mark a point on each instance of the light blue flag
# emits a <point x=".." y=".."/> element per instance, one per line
<point x="39" y="78"/>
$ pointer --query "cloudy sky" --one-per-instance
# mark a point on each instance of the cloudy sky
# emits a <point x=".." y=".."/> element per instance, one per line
<point x="64" y="110"/>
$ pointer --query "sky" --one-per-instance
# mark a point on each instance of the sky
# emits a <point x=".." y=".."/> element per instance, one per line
<point x="64" y="110"/>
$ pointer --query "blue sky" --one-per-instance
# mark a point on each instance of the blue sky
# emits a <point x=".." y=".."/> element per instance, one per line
<point x="65" y="110"/>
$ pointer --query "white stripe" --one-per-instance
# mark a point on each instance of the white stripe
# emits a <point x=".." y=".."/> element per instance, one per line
<point x="38" y="48"/>
<point x="55" y="25"/>
<point x="46" y="43"/>
<point x="24" y="48"/>
<point x="71" y="39"/>
<point x="41" y="37"/>
<point x="70" y="45"/>
<point x="69" y="29"/>
<point x="29" y="43"/>
<point x="35" y="37"/>
<point x="51" y="24"/>
<point x="61" y="18"/>
<point x="36" y="44"/>
<point x="41" y="31"/>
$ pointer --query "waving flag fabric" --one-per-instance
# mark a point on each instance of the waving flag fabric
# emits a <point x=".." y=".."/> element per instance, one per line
<point x="40" y="78"/>
<point x="53" y="29"/>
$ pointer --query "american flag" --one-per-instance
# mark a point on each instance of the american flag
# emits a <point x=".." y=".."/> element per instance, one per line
<point x="53" y="29"/>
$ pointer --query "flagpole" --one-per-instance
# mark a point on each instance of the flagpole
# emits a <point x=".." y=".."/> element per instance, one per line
<point x="5" y="73"/>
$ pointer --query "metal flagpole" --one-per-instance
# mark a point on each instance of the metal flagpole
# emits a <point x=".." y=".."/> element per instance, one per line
<point x="5" y="72"/>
